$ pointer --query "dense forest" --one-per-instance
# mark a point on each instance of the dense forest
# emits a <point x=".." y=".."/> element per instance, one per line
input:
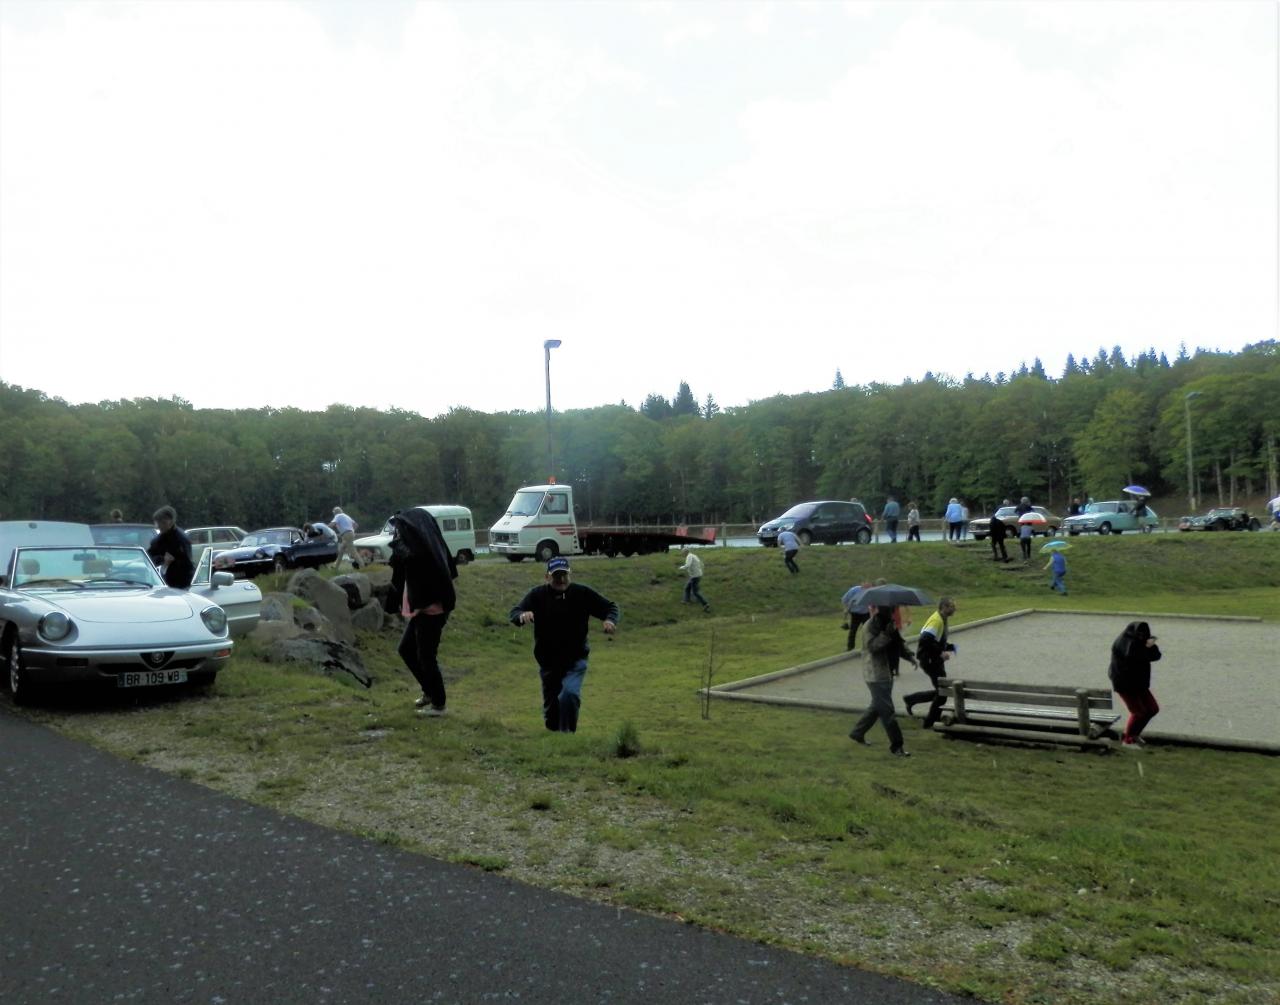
<point x="1103" y="423"/>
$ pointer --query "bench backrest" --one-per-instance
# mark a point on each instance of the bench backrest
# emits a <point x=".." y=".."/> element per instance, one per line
<point x="1048" y="695"/>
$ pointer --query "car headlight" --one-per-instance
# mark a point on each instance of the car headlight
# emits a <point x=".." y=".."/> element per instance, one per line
<point x="54" y="626"/>
<point x="215" y="619"/>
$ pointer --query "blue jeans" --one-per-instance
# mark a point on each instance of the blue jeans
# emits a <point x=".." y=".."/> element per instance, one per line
<point x="562" y="697"/>
<point x="691" y="591"/>
<point x="1058" y="583"/>
<point x="892" y="527"/>
<point x="881" y="709"/>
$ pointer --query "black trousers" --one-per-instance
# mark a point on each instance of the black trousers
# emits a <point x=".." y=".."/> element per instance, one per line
<point x="913" y="532"/>
<point x="998" y="551"/>
<point x="418" y="648"/>
<point x="789" y="559"/>
<point x="854" y="621"/>
<point x="934" y="697"/>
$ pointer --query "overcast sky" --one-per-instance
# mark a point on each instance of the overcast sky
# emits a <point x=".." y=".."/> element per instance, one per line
<point x="394" y="204"/>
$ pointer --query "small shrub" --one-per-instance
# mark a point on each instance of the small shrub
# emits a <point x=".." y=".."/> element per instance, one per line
<point x="625" y="742"/>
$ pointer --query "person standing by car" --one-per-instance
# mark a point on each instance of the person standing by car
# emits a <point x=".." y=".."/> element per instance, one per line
<point x="998" y="533"/>
<point x="955" y="519"/>
<point x="422" y="575"/>
<point x="560" y="612"/>
<point x="693" y="567"/>
<point x="913" y="521"/>
<point x="885" y="647"/>
<point x="890" y="515"/>
<point x="790" y="545"/>
<point x="345" y="528"/>
<point x="1024" y="539"/>
<point x="170" y="549"/>
<point x="933" y="651"/>
<point x="1132" y="654"/>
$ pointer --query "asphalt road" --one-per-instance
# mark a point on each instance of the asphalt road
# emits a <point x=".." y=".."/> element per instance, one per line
<point x="120" y="883"/>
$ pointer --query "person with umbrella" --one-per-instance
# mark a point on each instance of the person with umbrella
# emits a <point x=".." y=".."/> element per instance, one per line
<point x="422" y="575"/>
<point x="885" y="648"/>
<point x="1058" y="563"/>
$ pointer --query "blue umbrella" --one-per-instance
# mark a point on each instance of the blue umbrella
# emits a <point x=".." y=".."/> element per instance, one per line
<point x="1055" y="546"/>
<point x="1136" y="490"/>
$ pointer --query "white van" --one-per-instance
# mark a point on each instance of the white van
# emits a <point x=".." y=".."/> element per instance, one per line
<point x="456" y="525"/>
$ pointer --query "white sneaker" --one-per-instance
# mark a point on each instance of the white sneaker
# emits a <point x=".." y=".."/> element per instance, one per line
<point x="434" y="713"/>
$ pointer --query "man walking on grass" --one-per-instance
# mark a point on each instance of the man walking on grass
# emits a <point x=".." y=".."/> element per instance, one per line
<point x="693" y="566"/>
<point x="560" y="612"/>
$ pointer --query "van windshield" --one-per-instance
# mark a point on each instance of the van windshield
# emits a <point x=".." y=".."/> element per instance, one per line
<point x="525" y="504"/>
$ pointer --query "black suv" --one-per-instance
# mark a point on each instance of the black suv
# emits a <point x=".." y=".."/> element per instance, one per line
<point x="826" y="522"/>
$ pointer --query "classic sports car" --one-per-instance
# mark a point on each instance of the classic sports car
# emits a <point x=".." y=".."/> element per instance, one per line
<point x="1112" y="517"/>
<point x="981" y="527"/>
<point x="87" y="613"/>
<point x="1221" y="518"/>
<point x="275" y="549"/>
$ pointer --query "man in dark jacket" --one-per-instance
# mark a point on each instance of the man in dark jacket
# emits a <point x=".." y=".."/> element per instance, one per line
<point x="560" y="612"/>
<point x="998" y="533"/>
<point x="171" y="550"/>
<point x="1132" y="654"/>
<point x="932" y="651"/>
<point x="422" y="575"/>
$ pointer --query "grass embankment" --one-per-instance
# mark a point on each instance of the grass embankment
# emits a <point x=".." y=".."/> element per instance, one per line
<point x="1016" y="875"/>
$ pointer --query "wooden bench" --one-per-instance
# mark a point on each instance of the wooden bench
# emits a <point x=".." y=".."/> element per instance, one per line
<point x="1028" y="712"/>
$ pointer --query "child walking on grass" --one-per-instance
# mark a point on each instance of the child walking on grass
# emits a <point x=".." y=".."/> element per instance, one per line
<point x="1058" y="563"/>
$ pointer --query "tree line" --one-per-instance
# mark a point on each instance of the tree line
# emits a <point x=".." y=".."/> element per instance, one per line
<point x="1103" y="423"/>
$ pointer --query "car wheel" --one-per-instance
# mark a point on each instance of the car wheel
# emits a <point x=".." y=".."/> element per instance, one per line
<point x="463" y="557"/>
<point x="1254" y="524"/>
<point x="15" y="674"/>
<point x="805" y="538"/>
<point x="280" y="564"/>
<point x="1104" y="528"/>
<point x="863" y="535"/>
<point x="547" y="550"/>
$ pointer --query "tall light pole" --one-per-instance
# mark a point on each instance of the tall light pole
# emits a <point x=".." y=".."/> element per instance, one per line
<point x="547" y="346"/>
<point x="1191" y="478"/>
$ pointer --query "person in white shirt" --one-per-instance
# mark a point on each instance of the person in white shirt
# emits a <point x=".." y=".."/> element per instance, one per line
<point x="693" y="566"/>
<point x="345" y="528"/>
<point x="790" y="545"/>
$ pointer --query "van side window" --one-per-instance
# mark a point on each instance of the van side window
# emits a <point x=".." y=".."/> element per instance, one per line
<point x="556" y="502"/>
<point x="450" y="523"/>
<point x="464" y="523"/>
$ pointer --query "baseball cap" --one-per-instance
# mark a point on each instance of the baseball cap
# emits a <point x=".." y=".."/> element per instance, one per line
<point x="558" y="564"/>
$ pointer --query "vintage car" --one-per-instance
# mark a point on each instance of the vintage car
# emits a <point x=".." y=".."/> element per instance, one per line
<point x="1112" y="517"/>
<point x="275" y="549"/>
<point x="1221" y="518"/>
<point x="827" y="521"/>
<point x="84" y="613"/>
<point x="980" y="528"/>
<point x="456" y="527"/>
<point x="217" y="538"/>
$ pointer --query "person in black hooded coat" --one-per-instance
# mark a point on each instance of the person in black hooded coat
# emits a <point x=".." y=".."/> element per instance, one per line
<point x="422" y="575"/>
<point x="1132" y="654"/>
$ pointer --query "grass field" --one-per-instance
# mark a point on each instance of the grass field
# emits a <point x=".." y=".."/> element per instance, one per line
<point x="1011" y="874"/>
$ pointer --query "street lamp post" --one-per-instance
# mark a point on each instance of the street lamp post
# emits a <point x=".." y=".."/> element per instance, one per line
<point x="547" y="346"/>
<point x="1191" y="482"/>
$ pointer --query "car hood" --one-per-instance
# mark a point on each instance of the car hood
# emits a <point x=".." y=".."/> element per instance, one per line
<point x="240" y="554"/>
<point x="126" y="606"/>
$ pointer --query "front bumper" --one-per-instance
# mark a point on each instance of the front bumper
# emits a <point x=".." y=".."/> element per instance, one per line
<point x="52" y="665"/>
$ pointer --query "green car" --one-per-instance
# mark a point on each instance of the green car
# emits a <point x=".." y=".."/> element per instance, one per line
<point x="1114" y="517"/>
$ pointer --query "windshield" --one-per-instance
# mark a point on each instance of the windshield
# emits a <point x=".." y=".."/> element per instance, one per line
<point x="261" y="537"/>
<point x="525" y="504"/>
<point x="108" y="567"/>
<point x="798" y="511"/>
<point x="1095" y="508"/>
<point x="109" y="534"/>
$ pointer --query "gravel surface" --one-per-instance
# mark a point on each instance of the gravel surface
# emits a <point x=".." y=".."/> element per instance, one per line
<point x="1218" y="679"/>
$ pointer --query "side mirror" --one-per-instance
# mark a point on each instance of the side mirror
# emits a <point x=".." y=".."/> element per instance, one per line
<point x="222" y="579"/>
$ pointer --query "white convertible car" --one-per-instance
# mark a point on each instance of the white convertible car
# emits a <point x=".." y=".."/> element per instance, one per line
<point x="75" y="612"/>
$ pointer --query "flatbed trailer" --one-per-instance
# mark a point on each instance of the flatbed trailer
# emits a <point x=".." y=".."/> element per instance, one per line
<point x="629" y="541"/>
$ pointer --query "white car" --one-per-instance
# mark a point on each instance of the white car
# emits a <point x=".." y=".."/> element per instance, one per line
<point x="75" y="612"/>
<point x="456" y="526"/>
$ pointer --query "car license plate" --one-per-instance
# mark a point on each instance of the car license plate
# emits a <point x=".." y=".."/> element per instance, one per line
<point x="150" y="678"/>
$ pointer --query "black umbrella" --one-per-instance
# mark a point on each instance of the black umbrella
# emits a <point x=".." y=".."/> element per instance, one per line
<point x="893" y="595"/>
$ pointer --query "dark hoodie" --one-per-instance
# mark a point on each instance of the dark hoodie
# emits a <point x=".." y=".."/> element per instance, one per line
<point x="1131" y="659"/>
<point x="420" y="563"/>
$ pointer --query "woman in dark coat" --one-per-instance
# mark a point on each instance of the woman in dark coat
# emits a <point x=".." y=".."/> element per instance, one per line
<point x="422" y="575"/>
<point x="1131" y="657"/>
